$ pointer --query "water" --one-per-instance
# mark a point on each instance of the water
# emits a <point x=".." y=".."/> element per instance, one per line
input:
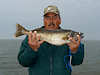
<point x="8" y="58"/>
<point x="91" y="64"/>
<point x="9" y="64"/>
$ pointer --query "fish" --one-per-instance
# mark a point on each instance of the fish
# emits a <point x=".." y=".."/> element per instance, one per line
<point x="54" y="37"/>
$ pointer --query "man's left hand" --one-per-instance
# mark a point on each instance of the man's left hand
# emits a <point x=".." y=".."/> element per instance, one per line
<point x="73" y="45"/>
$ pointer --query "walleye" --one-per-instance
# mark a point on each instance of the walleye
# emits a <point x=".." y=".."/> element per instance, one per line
<point x="55" y="37"/>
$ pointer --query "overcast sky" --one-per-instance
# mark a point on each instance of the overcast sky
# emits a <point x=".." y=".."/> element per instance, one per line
<point x="78" y="15"/>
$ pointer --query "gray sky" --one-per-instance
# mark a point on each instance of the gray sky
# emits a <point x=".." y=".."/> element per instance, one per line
<point x="78" y="15"/>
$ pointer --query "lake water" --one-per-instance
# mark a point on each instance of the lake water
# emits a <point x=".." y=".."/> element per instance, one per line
<point x="9" y="64"/>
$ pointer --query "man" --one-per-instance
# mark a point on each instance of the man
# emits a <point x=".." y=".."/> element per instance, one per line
<point x="43" y="58"/>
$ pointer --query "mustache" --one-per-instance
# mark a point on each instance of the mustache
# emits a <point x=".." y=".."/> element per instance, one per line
<point x="51" y="24"/>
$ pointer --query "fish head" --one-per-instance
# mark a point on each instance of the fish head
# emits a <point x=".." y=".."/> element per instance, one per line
<point x="74" y="34"/>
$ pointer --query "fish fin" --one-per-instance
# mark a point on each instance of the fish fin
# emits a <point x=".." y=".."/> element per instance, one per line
<point x="19" y="30"/>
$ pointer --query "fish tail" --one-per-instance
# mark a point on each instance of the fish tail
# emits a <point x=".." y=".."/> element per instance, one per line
<point x="19" y="30"/>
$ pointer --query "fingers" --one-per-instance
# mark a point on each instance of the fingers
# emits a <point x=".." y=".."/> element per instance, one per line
<point x="34" y="36"/>
<point x="34" y="40"/>
<point x="40" y="42"/>
<point x="72" y="40"/>
<point x="30" y="37"/>
<point x="79" y="39"/>
<point x="69" y="44"/>
<point x="38" y="37"/>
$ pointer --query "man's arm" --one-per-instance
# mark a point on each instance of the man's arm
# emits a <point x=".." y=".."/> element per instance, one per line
<point x="29" y="50"/>
<point x="27" y="56"/>
<point x="77" y="58"/>
<point x="77" y="50"/>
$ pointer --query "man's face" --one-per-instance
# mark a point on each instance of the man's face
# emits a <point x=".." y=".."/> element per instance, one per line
<point x="52" y="21"/>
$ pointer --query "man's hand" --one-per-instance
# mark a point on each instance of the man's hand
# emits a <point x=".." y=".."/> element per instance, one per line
<point x="34" y="41"/>
<point x="73" y="45"/>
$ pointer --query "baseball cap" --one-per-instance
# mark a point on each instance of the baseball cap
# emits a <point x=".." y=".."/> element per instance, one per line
<point x="51" y="8"/>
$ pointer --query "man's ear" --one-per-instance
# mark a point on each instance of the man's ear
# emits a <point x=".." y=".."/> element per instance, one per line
<point x="59" y="20"/>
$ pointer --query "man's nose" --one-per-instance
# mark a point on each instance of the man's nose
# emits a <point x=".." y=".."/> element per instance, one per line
<point x="51" y="19"/>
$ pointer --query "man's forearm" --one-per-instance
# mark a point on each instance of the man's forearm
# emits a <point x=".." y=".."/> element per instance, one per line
<point x="27" y="56"/>
<point x="77" y="58"/>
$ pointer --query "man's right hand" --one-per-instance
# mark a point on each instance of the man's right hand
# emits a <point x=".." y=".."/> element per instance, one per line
<point x="34" y="41"/>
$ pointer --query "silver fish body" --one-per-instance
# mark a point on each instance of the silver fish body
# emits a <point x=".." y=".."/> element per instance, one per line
<point x="55" y="37"/>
